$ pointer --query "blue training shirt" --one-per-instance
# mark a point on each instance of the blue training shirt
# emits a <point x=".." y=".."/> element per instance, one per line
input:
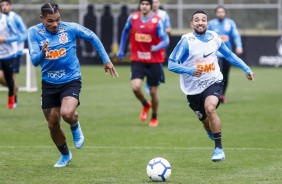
<point x="227" y="30"/>
<point x="180" y="54"/>
<point x="61" y="64"/>
<point x="21" y="29"/>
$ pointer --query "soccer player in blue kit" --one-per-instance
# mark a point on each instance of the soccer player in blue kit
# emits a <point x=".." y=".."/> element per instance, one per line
<point x="52" y="45"/>
<point x="195" y="59"/>
<point x="227" y="30"/>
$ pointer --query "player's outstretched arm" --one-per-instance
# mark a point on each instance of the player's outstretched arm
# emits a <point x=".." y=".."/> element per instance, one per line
<point x="180" y="55"/>
<point x="124" y="37"/>
<point x="236" y="61"/>
<point x="36" y="55"/>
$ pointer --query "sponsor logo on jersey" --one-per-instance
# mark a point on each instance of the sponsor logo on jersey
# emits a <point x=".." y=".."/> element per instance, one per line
<point x="205" y="64"/>
<point x="56" y="74"/>
<point x="206" y="83"/>
<point x="63" y="38"/>
<point x="56" y="54"/>
<point x="41" y="31"/>
<point x="139" y="37"/>
<point x="135" y="16"/>
<point x="144" y="55"/>
<point x="227" y="26"/>
<point x="224" y="38"/>
<point x="207" y="55"/>
<point x="208" y="67"/>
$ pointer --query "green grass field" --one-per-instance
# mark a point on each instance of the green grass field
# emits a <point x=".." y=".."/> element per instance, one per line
<point x="118" y="146"/>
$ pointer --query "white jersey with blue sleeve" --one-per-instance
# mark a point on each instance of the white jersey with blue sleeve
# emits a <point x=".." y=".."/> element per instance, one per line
<point x="197" y="51"/>
<point x="8" y="50"/>
<point x="165" y="18"/>
<point x="21" y="29"/>
<point x="61" y="65"/>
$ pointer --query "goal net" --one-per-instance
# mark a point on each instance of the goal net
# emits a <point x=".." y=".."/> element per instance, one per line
<point x="26" y="79"/>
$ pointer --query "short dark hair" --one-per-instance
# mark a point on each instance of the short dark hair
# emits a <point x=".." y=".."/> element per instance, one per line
<point x="49" y="8"/>
<point x="198" y="11"/>
<point x="220" y="7"/>
<point x="8" y="1"/>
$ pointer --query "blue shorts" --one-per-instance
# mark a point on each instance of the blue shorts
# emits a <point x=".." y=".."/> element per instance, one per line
<point x="53" y="94"/>
<point x="197" y="102"/>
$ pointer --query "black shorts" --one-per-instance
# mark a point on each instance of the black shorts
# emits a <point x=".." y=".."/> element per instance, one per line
<point x="17" y="63"/>
<point x="197" y="102"/>
<point x="53" y="94"/>
<point x="152" y="71"/>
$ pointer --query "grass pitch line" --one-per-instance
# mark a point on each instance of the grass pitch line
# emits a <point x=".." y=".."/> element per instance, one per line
<point x="141" y="147"/>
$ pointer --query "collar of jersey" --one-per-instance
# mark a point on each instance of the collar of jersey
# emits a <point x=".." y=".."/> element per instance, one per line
<point x="202" y="38"/>
<point x="146" y="19"/>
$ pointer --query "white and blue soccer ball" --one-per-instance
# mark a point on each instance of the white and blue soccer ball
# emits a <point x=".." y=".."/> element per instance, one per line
<point x="158" y="169"/>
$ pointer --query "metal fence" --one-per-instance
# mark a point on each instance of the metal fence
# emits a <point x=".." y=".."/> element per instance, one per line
<point x="249" y="15"/>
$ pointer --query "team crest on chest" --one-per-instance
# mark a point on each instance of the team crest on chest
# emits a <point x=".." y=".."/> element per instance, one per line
<point x="63" y="38"/>
<point x="154" y="20"/>
<point x="41" y="31"/>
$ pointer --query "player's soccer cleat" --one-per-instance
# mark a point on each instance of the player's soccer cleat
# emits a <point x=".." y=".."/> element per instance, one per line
<point x="144" y="112"/>
<point x="210" y="134"/>
<point x="64" y="160"/>
<point x="11" y="102"/>
<point x="218" y="155"/>
<point x="154" y="122"/>
<point x="78" y="138"/>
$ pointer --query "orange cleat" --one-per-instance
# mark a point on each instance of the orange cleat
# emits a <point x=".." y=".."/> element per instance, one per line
<point x="11" y="102"/>
<point x="144" y="112"/>
<point x="154" y="122"/>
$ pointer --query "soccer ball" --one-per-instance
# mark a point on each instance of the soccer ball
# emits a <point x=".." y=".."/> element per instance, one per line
<point x="158" y="169"/>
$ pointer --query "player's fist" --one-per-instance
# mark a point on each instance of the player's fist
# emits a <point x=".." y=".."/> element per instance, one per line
<point x="251" y="76"/>
<point x="120" y="55"/>
<point x="198" y="72"/>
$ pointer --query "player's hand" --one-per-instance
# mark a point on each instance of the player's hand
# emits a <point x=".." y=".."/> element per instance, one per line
<point x="198" y="72"/>
<point x="109" y="67"/>
<point x="239" y="51"/>
<point x="120" y="55"/>
<point x="251" y="76"/>
<point x="153" y="48"/>
<point x="2" y="39"/>
<point x="45" y="48"/>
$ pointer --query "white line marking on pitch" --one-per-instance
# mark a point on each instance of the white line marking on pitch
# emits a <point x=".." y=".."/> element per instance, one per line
<point x="149" y="148"/>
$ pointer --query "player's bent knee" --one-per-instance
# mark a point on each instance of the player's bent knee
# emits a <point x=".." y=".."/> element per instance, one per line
<point x="211" y="109"/>
<point x="54" y="126"/>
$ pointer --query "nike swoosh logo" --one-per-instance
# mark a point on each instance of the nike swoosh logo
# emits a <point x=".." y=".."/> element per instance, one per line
<point x="207" y="55"/>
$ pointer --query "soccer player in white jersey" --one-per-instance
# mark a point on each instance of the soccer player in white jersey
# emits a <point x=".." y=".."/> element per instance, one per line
<point x="6" y="8"/>
<point x="52" y="45"/>
<point x="163" y="15"/>
<point x="8" y="52"/>
<point x="194" y="58"/>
